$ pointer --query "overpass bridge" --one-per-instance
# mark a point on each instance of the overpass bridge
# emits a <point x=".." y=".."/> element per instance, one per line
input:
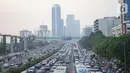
<point x="17" y="42"/>
<point x="53" y="38"/>
<point x="57" y="37"/>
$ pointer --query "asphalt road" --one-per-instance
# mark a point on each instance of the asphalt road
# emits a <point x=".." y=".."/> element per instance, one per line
<point x="69" y="66"/>
<point x="37" y="52"/>
<point x="33" y="53"/>
<point x="53" y="56"/>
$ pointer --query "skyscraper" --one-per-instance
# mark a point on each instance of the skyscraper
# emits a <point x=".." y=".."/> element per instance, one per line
<point x="57" y="22"/>
<point x="72" y="26"/>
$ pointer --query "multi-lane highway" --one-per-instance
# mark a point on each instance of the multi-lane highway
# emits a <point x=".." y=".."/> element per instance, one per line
<point x="23" y="58"/>
<point x="60" y="61"/>
<point x="54" y="61"/>
<point x="66" y="60"/>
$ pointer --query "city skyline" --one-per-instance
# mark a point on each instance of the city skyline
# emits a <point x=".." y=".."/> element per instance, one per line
<point x="18" y="15"/>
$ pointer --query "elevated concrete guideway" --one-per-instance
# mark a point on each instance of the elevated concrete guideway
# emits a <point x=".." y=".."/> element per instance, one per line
<point x="46" y="38"/>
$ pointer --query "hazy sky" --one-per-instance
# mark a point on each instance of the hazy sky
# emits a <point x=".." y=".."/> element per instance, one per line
<point x="17" y="15"/>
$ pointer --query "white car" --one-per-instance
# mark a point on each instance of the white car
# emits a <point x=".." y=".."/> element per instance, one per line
<point x="88" y="66"/>
<point x="6" y="65"/>
<point x="76" y="62"/>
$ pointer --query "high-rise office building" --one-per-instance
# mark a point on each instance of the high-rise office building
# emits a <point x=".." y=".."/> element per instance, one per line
<point x="86" y="31"/>
<point x="72" y="26"/>
<point x="57" y="22"/>
<point x="106" y="24"/>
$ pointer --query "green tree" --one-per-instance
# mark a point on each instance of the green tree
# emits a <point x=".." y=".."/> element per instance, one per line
<point x="91" y="41"/>
<point x="114" y="47"/>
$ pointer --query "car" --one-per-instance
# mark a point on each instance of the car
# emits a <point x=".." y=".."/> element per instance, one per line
<point x="64" y="64"/>
<point x="76" y="59"/>
<point x="40" y="71"/>
<point x="67" y="61"/>
<point x="86" y="63"/>
<point x="44" y="62"/>
<point x="53" y="67"/>
<point x="42" y="68"/>
<point x="52" y="70"/>
<point x="76" y="62"/>
<point x="53" y="60"/>
<point x="6" y="65"/>
<point x="51" y="63"/>
<point x="96" y="67"/>
<point x="38" y="66"/>
<point x="49" y="59"/>
<point x="11" y="64"/>
<point x="88" y="66"/>
<point x="56" y="64"/>
<point x="61" y="61"/>
<point x="81" y="61"/>
<point x="11" y="67"/>
<point x="19" y="63"/>
<point x="47" y="67"/>
<point x="31" y="70"/>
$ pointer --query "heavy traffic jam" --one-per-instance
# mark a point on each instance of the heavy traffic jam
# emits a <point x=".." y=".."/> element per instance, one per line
<point x="69" y="59"/>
